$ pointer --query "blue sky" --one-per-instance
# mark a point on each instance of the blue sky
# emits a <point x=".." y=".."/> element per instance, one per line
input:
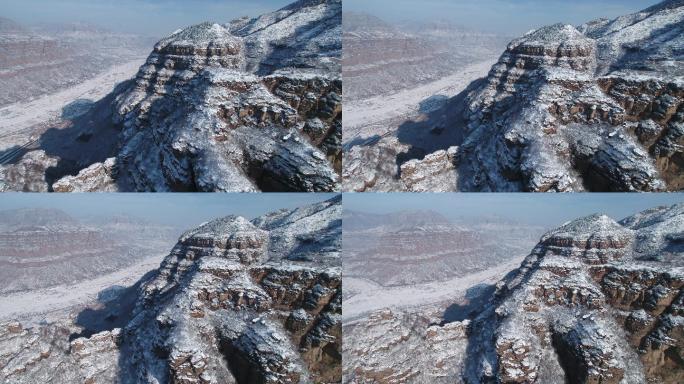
<point x="548" y="210"/>
<point x="510" y="17"/>
<point x="150" y="17"/>
<point x="185" y="209"/>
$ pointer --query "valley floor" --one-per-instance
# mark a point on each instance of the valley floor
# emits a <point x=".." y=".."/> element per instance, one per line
<point x="368" y="117"/>
<point x="20" y="121"/>
<point x="364" y="296"/>
<point x="44" y="303"/>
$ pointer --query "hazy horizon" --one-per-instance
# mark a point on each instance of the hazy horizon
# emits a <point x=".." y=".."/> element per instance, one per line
<point x="550" y="210"/>
<point x="155" y="18"/>
<point x="506" y="17"/>
<point x="185" y="210"/>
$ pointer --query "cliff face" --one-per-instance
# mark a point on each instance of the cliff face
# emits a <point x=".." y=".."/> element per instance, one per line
<point x="221" y="295"/>
<point x="234" y="302"/>
<point x="596" y="301"/>
<point x="246" y="106"/>
<point x="395" y="347"/>
<point x="596" y="108"/>
<point x="591" y="108"/>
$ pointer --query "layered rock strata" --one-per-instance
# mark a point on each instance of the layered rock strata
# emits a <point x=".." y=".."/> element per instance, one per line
<point x="591" y="108"/>
<point x="200" y="118"/>
<point x="252" y="105"/>
<point x="597" y="301"/>
<point x="234" y="302"/>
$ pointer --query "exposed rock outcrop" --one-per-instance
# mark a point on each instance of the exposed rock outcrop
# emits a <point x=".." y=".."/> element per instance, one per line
<point x="597" y="301"/>
<point x="594" y="110"/>
<point x="252" y="105"/>
<point x="390" y="347"/>
<point x="234" y="302"/>
<point x="247" y="106"/>
<point x="591" y="108"/>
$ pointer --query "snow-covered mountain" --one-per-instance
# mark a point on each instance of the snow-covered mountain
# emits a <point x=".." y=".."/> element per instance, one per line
<point x="595" y="301"/>
<point x="235" y="301"/>
<point x="591" y="108"/>
<point x="251" y="105"/>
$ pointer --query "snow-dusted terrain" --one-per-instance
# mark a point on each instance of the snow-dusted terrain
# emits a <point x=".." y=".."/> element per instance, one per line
<point x="235" y="301"/>
<point x="596" y="300"/>
<point x="398" y="81"/>
<point x="249" y="105"/>
<point x="36" y="60"/>
<point x="410" y="277"/>
<point x="25" y="119"/>
<point x="361" y="296"/>
<point x="406" y="248"/>
<point x="45" y="248"/>
<point x="378" y="115"/>
<point x="54" y="303"/>
<point x="595" y="107"/>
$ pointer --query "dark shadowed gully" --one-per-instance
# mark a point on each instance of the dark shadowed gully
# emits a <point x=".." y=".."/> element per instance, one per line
<point x="235" y="301"/>
<point x="597" y="107"/>
<point x="250" y="105"/>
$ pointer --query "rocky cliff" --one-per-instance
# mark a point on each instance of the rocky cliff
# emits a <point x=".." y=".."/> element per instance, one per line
<point x="591" y="108"/>
<point x="597" y="301"/>
<point x="234" y="302"/>
<point x="246" y="106"/>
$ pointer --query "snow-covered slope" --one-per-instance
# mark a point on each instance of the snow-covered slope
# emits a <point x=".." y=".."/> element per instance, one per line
<point x="254" y="105"/>
<point x="595" y="301"/>
<point x="596" y="107"/>
<point x="224" y="307"/>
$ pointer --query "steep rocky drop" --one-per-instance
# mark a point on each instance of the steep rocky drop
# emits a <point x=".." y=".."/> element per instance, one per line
<point x="252" y="105"/>
<point x="234" y="302"/>
<point x="597" y="301"/>
<point x="591" y="108"/>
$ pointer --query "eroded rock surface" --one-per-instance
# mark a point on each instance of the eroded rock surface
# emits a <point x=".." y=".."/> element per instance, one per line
<point x="234" y="302"/>
<point x="395" y="347"/>
<point x="252" y="105"/>
<point x="205" y="113"/>
<point x="597" y="301"/>
<point x="596" y="107"/>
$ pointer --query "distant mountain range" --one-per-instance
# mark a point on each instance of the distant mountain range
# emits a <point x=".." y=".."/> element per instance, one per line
<point x="42" y="59"/>
<point x="40" y="248"/>
<point x="410" y="247"/>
